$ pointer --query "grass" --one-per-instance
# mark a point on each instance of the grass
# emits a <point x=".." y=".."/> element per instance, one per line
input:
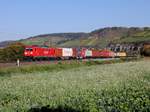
<point x="113" y="87"/>
<point x="37" y="41"/>
<point x="40" y="68"/>
<point x="58" y="66"/>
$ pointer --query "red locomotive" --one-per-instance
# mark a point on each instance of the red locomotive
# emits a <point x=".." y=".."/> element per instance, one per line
<point x="37" y="52"/>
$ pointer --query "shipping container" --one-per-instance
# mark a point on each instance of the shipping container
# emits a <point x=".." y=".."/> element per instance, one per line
<point x="102" y="54"/>
<point x="67" y="52"/>
<point x="58" y="52"/>
<point x="75" y="54"/>
<point x="95" y="53"/>
<point x="85" y="53"/>
<point x="88" y="53"/>
<point x="112" y="54"/>
<point x="121" y="54"/>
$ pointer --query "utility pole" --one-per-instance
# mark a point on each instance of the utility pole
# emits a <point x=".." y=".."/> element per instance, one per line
<point x="50" y="42"/>
<point x="18" y="62"/>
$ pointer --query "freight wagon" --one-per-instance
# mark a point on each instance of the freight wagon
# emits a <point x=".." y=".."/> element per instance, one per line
<point x="65" y="53"/>
<point x="86" y="53"/>
<point x="103" y="54"/>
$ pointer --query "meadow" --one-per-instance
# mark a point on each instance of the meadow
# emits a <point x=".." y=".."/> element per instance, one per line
<point x="77" y="88"/>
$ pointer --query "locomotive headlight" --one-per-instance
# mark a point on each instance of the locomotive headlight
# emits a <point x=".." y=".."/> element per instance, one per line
<point x="25" y="53"/>
<point x="31" y="53"/>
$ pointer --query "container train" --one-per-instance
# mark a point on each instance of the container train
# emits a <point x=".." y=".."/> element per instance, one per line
<point x="37" y="52"/>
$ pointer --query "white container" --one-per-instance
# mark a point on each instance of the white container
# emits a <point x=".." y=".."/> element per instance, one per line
<point x="88" y="53"/>
<point x="68" y="52"/>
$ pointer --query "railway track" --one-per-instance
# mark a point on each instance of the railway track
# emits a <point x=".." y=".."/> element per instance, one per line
<point x="26" y="63"/>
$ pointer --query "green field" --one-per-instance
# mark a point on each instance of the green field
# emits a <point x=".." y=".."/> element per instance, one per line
<point x="116" y="87"/>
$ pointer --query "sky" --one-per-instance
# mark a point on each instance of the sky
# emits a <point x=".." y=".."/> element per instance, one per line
<point x="24" y="18"/>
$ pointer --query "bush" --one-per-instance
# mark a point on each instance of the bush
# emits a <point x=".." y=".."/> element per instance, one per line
<point x="127" y="99"/>
<point x="12" y="52"/>
<point x="146" y="52"/>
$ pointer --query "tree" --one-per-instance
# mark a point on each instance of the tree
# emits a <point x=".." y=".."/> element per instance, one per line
<point x="12" y="52"/>
<point x="146" y="50"/>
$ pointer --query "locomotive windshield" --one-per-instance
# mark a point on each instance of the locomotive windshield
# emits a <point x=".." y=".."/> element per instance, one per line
<point x="29" y="49"/>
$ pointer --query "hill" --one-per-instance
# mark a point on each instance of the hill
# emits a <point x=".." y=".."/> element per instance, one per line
<point x="97" y="38"/>
<point x="55" y="39"/>
<point x="5" y="43"/>
<point x="102" y="37"/>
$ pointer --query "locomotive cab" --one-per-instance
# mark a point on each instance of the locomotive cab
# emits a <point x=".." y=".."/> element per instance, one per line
<point x="28" y="52"/>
